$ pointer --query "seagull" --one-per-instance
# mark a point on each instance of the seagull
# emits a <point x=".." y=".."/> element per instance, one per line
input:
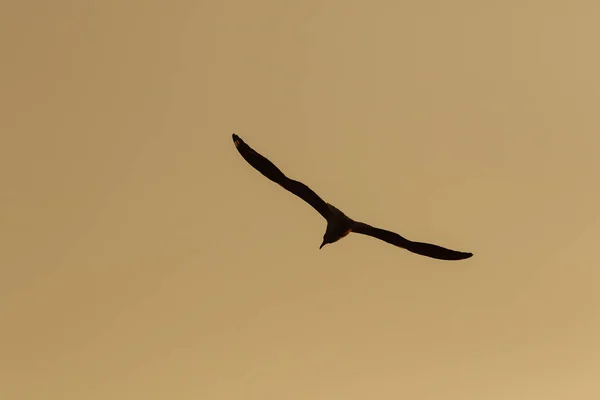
<point x="339" y="225"/>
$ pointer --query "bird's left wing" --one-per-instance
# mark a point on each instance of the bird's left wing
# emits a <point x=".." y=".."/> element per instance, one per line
<point x="268" y="169"/>
<point x="424" y="249"/>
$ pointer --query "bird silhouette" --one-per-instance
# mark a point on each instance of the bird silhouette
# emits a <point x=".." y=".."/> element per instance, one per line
<point x="339" y="224"/>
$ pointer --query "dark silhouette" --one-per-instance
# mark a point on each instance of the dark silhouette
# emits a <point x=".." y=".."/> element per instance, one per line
<point x="338" y="224"/>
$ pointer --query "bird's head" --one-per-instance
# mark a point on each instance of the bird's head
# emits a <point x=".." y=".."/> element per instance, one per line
<point x="326" y="240"/>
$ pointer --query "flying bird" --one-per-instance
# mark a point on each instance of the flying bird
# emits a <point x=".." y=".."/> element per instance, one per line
<point x="339" y="224"/>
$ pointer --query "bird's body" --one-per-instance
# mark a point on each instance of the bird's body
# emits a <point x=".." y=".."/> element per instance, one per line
<point x="339" y="224"/>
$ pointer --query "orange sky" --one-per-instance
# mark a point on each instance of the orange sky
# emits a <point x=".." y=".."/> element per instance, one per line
<point x="143" y="258"/>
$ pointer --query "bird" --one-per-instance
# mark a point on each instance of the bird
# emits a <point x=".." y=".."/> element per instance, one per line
<point x="339" y="225"/>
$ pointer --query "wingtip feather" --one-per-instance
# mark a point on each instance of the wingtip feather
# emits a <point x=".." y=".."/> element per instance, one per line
<point x="236" y="139"/>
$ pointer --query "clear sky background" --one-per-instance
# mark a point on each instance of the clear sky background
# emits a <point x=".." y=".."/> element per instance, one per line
<point x="142" y="258"/>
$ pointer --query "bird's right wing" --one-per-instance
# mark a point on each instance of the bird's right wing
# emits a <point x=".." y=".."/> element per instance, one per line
<point x="268" y="169"/>
<point x="424" y="249"/>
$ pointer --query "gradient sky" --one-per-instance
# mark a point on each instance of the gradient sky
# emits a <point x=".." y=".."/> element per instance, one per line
<point x="143" y="258"/>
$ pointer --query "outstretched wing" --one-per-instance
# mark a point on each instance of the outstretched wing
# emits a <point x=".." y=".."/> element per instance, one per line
<point x="424" y="249"/>
<point x="268" y="169"/>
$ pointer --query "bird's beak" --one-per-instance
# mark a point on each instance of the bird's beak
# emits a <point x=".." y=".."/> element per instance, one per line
<point x="321" y="246"/>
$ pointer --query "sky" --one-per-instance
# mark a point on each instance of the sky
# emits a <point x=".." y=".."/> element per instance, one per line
<point x="142" y="258"/>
